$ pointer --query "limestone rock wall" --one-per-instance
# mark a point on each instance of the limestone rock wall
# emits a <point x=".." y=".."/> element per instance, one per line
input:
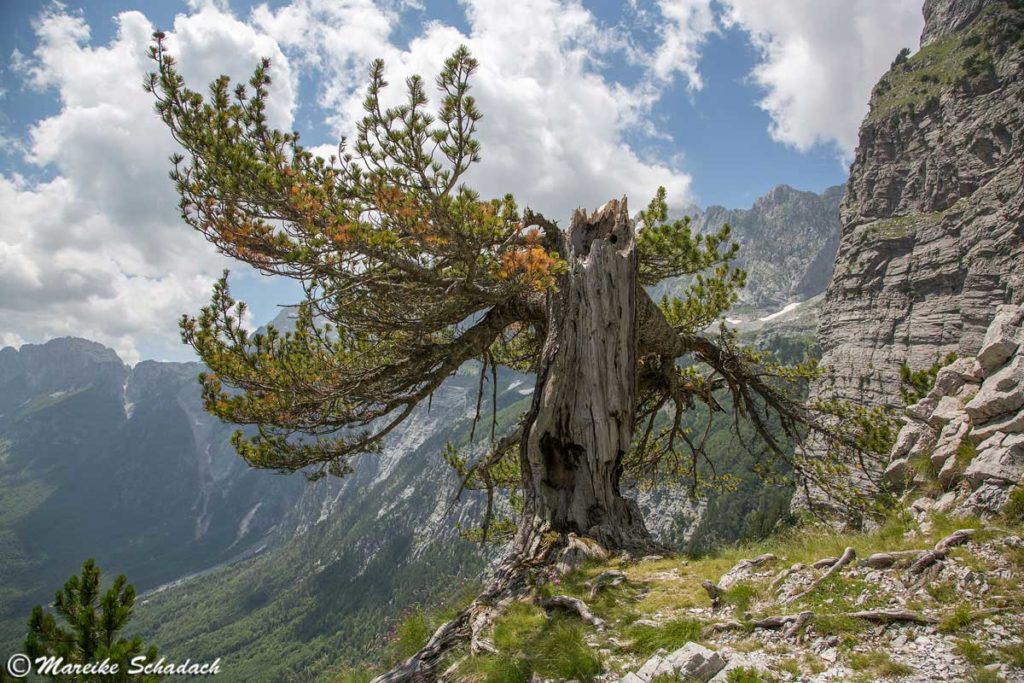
<point x="933" y="216"/>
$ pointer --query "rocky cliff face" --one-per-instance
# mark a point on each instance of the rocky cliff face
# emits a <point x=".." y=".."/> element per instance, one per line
<point x="788" y="241"/>
<point x="933" y="216"/>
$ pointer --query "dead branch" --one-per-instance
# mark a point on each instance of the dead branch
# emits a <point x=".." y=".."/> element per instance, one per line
<point x="888" y="616"/>
<point x="794" y="622"/>
<point x="848" y="556"/>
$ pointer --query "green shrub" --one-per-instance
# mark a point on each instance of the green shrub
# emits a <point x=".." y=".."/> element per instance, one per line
<point x="915" y="384"/>
<point x="531" y="644"/>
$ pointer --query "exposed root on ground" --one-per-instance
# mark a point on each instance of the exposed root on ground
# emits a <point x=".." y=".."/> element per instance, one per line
<point x="574" y="605"/>
<point x="847" y="557"/>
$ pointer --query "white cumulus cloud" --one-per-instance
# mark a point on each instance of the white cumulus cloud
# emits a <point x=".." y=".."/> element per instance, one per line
<point x="554" y="129"/>
<point x="820" y="59"/>
<point x="98" y="249"/>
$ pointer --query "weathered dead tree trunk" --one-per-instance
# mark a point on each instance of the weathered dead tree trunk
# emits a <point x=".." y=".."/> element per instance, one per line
<point x="576" y="434"/>
<point x="581" y="422"/>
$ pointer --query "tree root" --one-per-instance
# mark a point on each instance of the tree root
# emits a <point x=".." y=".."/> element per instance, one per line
<point x="954" y="539"/>
<point x="888" y="616"/>
<point x="886" y="560"/>
<point x="847" y="557"/>
<point x="714" y="592"/>
<point x="732" y="576"/>
<point x="930" y="557"/>
<point x="606" y="579"/>
<point x="512" y="581"/>
<point x="792" y="623"/>
<point x="573" y="605"/>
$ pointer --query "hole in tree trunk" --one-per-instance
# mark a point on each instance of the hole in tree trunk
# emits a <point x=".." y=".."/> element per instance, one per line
<point x="560" y="462"/>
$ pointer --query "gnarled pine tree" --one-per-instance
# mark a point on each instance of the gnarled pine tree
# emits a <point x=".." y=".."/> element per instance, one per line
<point x="408" y="274"/>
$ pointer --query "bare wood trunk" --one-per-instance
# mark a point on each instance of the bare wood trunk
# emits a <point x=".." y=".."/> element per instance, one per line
<point x="581" y="423"/>
<point x="576" y="434"/>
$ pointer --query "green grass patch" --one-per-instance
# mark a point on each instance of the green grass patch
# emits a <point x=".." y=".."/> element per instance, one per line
<point x="671" y="635"/>
<point x="878" y="664"/>
<point x="353" y="676"/>
<point x="970" y="650"/>
<point x="531" y="644"/>
<point x="943" y="592"/>
<point x="740" y="596"/>
<point x="411" y="635"/>
<point x="983" y="675"/>
<point x="920" y="79"/>
<point x="961" y="616"/>
<point x="747" y="675"/>
<point x="1012" y="654"/>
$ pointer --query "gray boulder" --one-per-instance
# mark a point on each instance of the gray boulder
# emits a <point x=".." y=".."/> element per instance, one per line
<point x="948" y="409"/>
<point x="695" y="661"/>
<point x="1001" y="460"/>
<point x="1001" y="339"/>
<point x="949" y="440"/>
<point x="1000" y="394"/>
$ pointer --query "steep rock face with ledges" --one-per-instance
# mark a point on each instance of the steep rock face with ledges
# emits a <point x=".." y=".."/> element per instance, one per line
<point x="933" y="217"/>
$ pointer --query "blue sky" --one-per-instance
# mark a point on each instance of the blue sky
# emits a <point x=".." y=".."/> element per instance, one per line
<point x="719" y="101"/>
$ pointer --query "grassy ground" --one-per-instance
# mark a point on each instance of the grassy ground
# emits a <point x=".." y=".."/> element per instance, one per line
<point x="662" y="606"/>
